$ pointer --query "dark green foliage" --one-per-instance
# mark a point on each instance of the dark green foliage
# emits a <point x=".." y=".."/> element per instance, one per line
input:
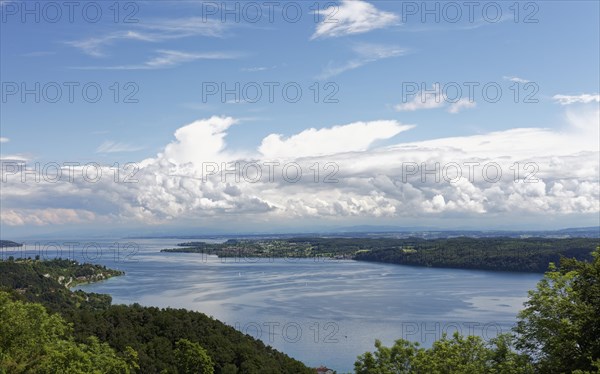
<point x="38" y="281"/>
<point x="458" y="355"/>
<point x="560" y="325"/>
<point x="152" y="333"/>
<point x="191" y="358"/>
<point x="32" y="341"/>
<point x="505" y="254"/>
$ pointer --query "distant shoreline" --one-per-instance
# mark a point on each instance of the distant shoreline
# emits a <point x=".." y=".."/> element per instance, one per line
<point x="531" y="255"/>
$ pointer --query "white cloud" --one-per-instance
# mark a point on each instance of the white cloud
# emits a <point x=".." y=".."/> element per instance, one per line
<point x="354" y="137"/>
<point x="94" y="46"/>
<point x="418" y="104"/>
<point x="434" y="99"/>
<point x="117" y="147"/>
<point x="14" y="158"/>
<point x="461" y="104"/>
<point x="200" y="141"/>
<point x="168" y="59"/>
<point x="185" y="27"/>
<point x="576" y="99"/>
<point x="515" y="79"/>
<point x="171" y="187"/>
<point x="365" y="53"/>
<point x="352" y="17"/>
<point x="255" y="69"/>
<point x="377" y="51"/>
<point x="4" y="140"/>
<point x="151" y="31"/>
<point x="43" y="217"/>
<point x="423" y="100"/>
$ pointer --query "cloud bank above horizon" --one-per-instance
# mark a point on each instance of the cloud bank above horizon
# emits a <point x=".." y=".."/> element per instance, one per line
<point x="333" y="172"/>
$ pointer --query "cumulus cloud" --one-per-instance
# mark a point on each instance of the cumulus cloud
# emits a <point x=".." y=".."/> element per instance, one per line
<point x="345" y="174"/>
<point x="200" y="141"/>
<point x="352" y="17"/>
<point x="354" y="137"/>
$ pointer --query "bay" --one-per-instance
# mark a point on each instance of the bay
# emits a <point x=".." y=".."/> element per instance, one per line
<point x="321" y="312"/>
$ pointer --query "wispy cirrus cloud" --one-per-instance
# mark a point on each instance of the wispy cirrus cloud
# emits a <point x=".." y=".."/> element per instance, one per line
<point x="576" y="99"/>
<point x="184" y="27"/>
<point x="153" y="32"/>
<point x="365" y="54"/>
<point x="255" y="69"/>
<point x="352" y="17"/>
<point x="95" y="46"/>
<point x="117" y="147"/>
<point x="167" y="59"/>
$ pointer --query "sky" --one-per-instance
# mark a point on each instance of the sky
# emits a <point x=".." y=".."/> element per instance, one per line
<point x="165" y="117"/>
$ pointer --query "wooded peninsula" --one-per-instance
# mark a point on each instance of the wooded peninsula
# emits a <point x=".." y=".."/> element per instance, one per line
<point x="500" y="254"/>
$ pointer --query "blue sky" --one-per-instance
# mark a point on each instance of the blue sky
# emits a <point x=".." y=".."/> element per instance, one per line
<point x="364" y="53"/>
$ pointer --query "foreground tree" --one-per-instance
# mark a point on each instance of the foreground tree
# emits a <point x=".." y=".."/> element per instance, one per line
<point x="557" y="332"/>
<point x="33" y="341"/>
<point x="448" y="355"/>
<point x="560" y="325"/>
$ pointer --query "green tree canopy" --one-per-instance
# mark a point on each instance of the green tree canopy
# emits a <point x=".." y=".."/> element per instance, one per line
<point x="557" y="332"/>
<point x="192" y="358"/>
<point x="448" y="355"/>
<point x="560" y="325"/>
<point x="33" y="341"/>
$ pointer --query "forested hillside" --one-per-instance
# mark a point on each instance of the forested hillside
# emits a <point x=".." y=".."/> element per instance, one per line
<point x="160" y="339"/>
<point x="505" y="254"/>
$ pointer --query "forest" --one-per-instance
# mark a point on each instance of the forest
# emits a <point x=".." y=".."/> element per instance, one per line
<point x="502" y="253"/>
<point x="129" y="338"/>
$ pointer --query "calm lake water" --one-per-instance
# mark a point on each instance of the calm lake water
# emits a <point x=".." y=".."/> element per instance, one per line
<point x="319" y="312"/>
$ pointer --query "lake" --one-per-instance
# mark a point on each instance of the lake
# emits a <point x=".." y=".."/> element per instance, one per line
<point x="321" y="312"/>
